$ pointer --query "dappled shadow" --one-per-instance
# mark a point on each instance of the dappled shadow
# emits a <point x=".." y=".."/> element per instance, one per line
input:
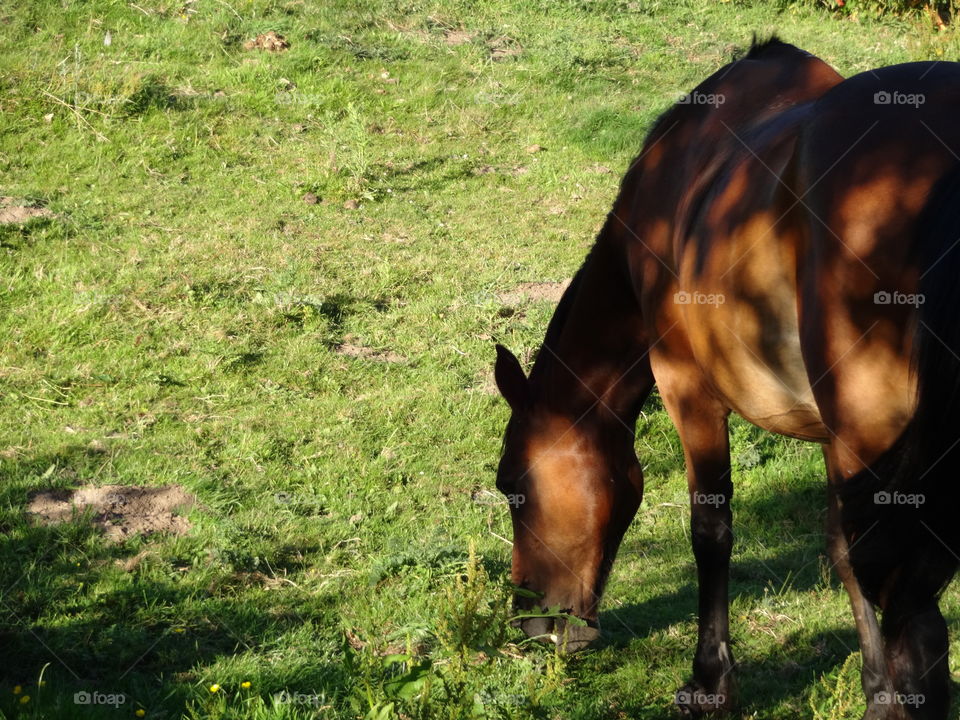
<point x="16" y="236"/>
<point x="794" y="564"/>
<point x="89" y="615"/>
<point x="754" y="570"/>
<point x="431" y="175"/>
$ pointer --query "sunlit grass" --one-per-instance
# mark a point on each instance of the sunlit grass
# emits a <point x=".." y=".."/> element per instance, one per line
<point x="227" y="222"/>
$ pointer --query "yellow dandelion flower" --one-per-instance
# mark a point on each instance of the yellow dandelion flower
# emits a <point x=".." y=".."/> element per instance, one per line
<point x="25" y="699"/>
<point x="245" y="684"/>
<point x="214" y="688"/>
<point x="140" y="713"/>
<point x="17" y="689"/>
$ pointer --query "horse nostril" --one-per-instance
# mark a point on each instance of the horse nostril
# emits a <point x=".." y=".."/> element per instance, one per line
<point x="505" y="484"/>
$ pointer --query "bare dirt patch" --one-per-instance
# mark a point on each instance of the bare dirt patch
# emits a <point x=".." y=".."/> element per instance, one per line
<point x="12" y="212"/>
<point x="511" y="171"/>
<point x="452" y="35"/>
<point x="351" y="348"/>
<point x="534" y="292"/>
<point x="269" y="41"/>
<point x="457" y="37"/>
<point x="121" y="511"/>
<point x="599" y="169"/>
<point x="504" y="47"/>
<point x="486" y="383"/>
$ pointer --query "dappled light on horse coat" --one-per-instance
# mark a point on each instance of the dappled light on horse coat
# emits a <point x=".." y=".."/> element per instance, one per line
<point x="782" y="248"/>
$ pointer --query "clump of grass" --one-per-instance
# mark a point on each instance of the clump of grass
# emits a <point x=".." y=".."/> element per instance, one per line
<point x="839" y="694"/>
<point x="475" y="610"/>
<point x="464" y="673"/>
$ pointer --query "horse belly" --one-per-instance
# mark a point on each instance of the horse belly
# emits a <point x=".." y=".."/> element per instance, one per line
<point x="742" y="323"/>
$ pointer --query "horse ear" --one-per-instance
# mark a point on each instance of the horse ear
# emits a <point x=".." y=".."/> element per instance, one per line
<point x="511" y="380"/>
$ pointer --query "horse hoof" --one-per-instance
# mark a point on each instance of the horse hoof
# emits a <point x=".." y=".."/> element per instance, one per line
<point x="693" y="701"/>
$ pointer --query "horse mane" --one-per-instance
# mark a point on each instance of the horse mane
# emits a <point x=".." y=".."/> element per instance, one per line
<point x="771" y="48"/>
<point x="554" y="328"/>
<point x="767" y="49"/>
<point x="759" y="48"/>
<point x="560" y="315"/>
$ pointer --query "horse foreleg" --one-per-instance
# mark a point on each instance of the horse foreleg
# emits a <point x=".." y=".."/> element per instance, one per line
<point x="703" y="432"/>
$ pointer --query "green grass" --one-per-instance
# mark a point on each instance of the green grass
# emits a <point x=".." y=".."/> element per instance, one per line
<point x="177" y="321"/>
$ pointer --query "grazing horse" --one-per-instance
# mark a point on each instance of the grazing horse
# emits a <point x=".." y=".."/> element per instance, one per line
<point x="784" y="247"/>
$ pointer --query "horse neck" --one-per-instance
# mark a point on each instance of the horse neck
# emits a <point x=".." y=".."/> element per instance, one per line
<point x="594" y="358"/>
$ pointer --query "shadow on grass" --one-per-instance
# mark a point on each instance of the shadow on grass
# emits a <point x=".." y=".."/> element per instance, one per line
<point x="154" y="634"/>
<point x="763" y="562"/>
<point x="74" y="610"/>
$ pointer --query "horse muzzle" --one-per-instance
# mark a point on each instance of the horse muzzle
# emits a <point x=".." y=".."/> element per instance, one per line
<point x="568" y="637"/>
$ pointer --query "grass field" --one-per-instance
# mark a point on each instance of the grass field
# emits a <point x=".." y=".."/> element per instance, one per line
<point x="275" y="279"/>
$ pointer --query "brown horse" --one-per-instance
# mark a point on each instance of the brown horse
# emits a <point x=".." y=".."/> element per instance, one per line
<point x="783" y="248"/>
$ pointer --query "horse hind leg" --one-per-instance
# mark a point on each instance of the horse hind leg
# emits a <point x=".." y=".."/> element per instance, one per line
<point x="916" y="654"/>
<point x="873" y="676"/>
<point x="901" y="555"/>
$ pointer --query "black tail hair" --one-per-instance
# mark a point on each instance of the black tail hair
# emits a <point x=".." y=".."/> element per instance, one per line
<point x="937" y="357"/>
<point x="914" y="540"/>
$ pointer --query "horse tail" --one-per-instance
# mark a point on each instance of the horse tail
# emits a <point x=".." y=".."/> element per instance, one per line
<point x="936" y="425"/>
<point x="902" y="515"/>
<point x="935" y="442"/>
